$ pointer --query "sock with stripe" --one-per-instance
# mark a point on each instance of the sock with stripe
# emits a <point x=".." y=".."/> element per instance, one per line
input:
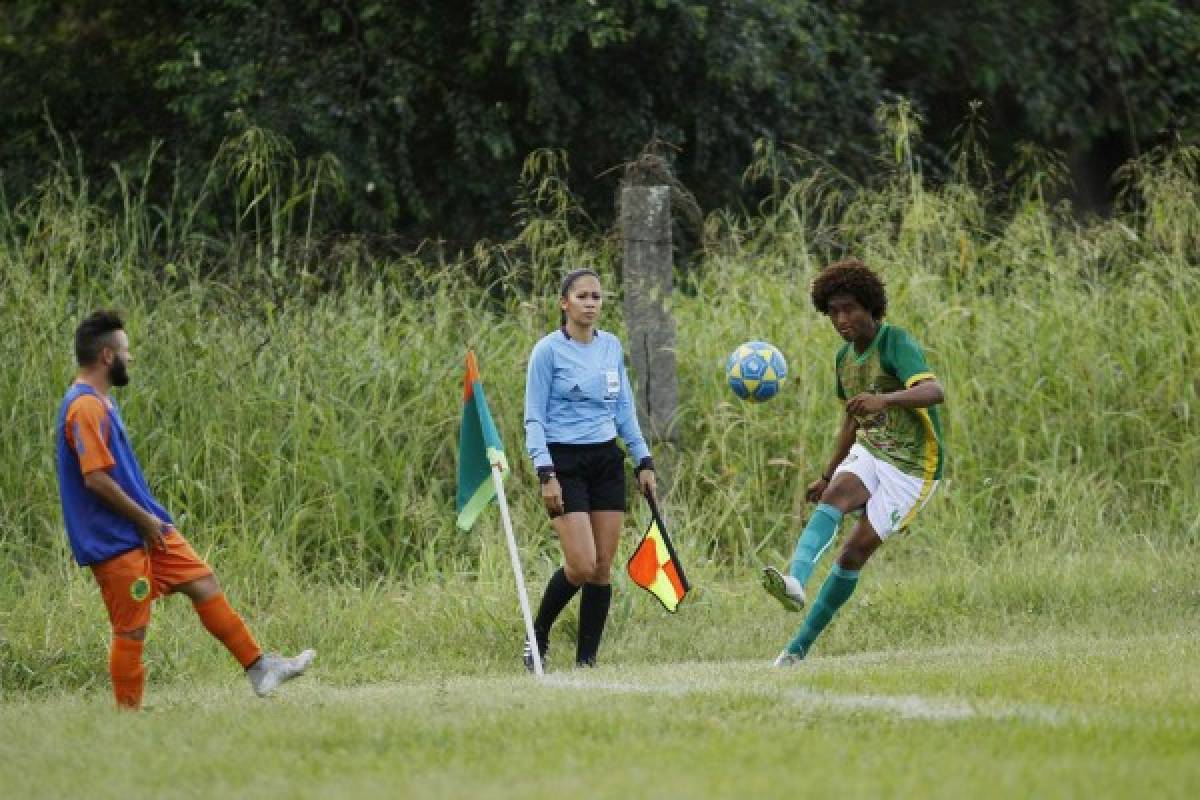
<point x="219" y="619"/>
<point x="835" y="591"/>
<point x="128" y="673"/>
<point x="814" y="541"/>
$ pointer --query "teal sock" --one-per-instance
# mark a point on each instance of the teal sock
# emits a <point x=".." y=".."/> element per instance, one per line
<point x="835" y="591"/>
<point x="815" y="539"/>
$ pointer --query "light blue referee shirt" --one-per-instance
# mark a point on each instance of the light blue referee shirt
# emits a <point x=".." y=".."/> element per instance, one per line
<point x="579" y="393"/>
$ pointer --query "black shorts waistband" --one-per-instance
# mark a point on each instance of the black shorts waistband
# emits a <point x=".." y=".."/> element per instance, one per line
<point x="581" y="447"/>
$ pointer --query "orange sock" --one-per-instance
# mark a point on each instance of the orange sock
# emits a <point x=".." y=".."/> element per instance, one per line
<point x="128" y="674"/>
<point x="224" y="623"/>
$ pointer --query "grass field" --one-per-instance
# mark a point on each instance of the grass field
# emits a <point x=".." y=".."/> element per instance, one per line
<point x="1050" y="716"/>
<point x="1079" y="680"/>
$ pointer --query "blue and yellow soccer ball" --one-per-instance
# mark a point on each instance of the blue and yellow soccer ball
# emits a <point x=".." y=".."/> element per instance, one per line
<point x="755" y="371"/>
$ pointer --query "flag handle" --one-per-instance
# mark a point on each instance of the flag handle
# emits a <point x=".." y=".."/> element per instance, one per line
<point x="666" y="540"/>
<point x="502" y="501"/>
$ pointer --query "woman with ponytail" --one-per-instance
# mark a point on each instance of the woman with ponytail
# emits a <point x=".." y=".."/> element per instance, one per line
<point x="578" y="400"/>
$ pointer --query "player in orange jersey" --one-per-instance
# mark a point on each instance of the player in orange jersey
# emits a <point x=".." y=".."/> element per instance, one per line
<point x="118" y="529"/>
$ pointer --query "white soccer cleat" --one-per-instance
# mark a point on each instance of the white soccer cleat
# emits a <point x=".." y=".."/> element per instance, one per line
<point x="787" y="659"/>
<point x="784" y="588"/>
<point x="273" y="669"/>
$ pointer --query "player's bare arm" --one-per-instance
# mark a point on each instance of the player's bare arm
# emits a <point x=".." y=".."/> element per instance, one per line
<point x="149" y="526"/>
<point x="922" y="394"/>
<point x="845" y="440"/>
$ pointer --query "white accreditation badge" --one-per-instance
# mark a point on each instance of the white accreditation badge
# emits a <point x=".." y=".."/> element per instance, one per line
<point x="612" y="384"/>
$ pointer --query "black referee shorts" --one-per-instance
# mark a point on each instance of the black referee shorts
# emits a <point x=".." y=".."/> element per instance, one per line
<point x="592" y="476"/>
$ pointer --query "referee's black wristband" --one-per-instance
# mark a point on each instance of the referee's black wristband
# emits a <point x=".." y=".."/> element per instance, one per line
<point x="645" y="463"/>
<point x="545" y="474"/>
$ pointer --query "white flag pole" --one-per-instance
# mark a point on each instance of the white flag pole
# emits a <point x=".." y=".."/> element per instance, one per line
<point x="498" y="480"/>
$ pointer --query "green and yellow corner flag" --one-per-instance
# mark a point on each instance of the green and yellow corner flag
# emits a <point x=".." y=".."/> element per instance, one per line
<point x="655" y="567"/>
<point x="479" y="447"/>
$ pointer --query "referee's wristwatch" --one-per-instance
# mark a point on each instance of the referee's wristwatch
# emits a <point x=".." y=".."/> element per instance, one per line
<point x="545" y="475"/>
<point x="645" y="463"/>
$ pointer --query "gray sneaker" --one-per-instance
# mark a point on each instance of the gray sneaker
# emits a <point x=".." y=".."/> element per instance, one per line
<point x="784" y="588"/>
<point x="272" y="669"/>
<point x="787" y="659"/>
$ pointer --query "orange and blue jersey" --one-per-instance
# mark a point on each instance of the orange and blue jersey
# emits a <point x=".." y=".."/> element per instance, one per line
<point x="91" y="436"/>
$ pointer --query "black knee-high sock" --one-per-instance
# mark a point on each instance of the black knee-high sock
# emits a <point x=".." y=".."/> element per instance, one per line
<point x="559" y="592"/>
<point x="593" y="613"/>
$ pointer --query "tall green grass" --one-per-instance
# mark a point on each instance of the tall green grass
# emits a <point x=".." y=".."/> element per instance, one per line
<point x="301" y="417"/>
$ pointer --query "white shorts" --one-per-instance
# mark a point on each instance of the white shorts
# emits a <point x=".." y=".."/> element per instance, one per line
<point x="895" y="496"/>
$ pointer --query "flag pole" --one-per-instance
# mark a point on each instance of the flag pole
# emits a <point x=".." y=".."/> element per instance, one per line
<point x="531" y="637"/>
<point x="666" y="539"/>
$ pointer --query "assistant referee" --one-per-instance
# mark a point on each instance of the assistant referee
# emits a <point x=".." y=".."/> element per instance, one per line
<point x="577" y="402"/>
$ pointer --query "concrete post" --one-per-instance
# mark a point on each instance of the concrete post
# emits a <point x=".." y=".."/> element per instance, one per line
<point x="650" y="329"/>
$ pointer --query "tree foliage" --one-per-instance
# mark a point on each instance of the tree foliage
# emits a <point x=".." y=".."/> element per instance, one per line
<point x="430" y="106"/>
<point x="1100" y="80"/>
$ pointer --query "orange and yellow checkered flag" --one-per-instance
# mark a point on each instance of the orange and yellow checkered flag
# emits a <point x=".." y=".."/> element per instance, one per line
<point x="654" y="565"/>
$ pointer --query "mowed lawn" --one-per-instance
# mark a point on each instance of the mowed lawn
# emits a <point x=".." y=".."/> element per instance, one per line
<point x="1057" y="716"/>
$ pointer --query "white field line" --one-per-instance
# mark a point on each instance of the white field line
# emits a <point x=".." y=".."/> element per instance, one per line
<point x="911" y="706"/>
<point x="1082" y="644"/>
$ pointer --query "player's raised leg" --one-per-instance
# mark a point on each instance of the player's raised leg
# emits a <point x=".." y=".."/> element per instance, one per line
<point x="845" y="492"/>
<point x="839" y="585"/>
<point x="265" y="671"/>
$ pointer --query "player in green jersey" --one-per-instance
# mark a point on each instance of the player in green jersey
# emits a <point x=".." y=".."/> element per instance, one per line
<point x="887" y="460"/>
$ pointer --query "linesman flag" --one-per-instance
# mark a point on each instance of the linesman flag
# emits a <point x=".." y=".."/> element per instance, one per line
<point x="479" y="447"/>
<point x="654" y="565"/>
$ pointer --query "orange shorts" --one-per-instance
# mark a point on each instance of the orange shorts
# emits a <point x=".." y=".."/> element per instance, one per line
<point x="130" y="581"/>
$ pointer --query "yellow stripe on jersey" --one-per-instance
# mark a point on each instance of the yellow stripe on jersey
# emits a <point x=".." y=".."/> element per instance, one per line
<point x="929" y="468"/>
<point x="920" y="376"/>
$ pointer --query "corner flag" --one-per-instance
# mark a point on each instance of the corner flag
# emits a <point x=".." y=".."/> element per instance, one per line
<point x="654" y="565"/>
<point x="479" y="448"/>
<point x="481" y="471"/>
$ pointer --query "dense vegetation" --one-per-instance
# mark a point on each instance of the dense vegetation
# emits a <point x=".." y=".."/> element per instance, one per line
<point x="313" y="417"/>
<point x="419" y="113"/>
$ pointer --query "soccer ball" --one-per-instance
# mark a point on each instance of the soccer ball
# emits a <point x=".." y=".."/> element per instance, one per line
<point x="755" y="371"/>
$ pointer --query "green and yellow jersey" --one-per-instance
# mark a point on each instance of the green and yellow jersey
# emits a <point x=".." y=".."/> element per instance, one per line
<point x="909" y="439"/>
